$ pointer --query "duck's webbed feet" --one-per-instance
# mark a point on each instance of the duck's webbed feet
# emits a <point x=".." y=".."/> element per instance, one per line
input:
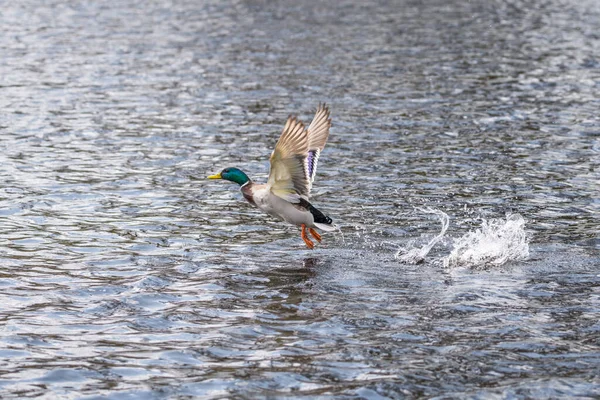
<point x="315" y="234"/>
<point x="308" y="242"/>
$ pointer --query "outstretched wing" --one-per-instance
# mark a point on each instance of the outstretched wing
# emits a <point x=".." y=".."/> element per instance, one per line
<point x="318" y="132"/>
<point x="288" y="177"/>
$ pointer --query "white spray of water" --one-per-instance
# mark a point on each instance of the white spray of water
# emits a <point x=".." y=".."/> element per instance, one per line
<point x="341" y="233"/>
<point x="417" y="255"/>
<point x="497" y="242"/>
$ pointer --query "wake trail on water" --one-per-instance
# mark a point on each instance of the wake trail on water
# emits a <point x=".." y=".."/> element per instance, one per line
<point x="495" y="243"/>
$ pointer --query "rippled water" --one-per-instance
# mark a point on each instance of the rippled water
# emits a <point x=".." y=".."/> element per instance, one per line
<point x="125" y="274"/>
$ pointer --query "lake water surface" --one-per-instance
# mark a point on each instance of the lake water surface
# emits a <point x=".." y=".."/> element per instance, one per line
<point x="125" y="274"/>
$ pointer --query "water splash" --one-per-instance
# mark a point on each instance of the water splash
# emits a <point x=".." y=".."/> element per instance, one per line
<point x="496" y="243"/>
<point x="417" y="255"/>
<point x="342" y="234"/>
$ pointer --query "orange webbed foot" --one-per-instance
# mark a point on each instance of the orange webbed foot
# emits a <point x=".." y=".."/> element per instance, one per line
<point x="315" y="234"/>
<point x="308" y="242"/>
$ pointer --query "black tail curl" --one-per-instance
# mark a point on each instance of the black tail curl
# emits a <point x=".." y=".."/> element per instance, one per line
<point x="317" y="215"/>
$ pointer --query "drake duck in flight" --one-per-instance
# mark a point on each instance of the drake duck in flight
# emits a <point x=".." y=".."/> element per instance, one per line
<point x="293" y="168"/>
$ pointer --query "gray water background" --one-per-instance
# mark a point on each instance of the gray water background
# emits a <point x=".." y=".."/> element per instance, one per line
<point x="124" y="274"/>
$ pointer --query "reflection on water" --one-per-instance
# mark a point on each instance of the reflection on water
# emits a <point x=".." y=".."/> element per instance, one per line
<point x="125" y="275"/>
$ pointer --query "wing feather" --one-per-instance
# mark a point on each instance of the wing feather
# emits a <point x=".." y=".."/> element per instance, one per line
<point x="288" y="177"/>
<point x="294" y="160"/>
<point x="318" y="132"/>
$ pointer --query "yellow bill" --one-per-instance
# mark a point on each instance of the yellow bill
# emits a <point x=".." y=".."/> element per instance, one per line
<point x="215" y="176"/>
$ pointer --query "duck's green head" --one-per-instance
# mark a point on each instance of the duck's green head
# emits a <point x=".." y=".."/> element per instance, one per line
<point x="233" y="175"/>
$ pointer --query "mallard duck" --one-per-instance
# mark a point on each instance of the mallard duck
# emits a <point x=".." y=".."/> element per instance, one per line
<point x="293" y="168"/>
